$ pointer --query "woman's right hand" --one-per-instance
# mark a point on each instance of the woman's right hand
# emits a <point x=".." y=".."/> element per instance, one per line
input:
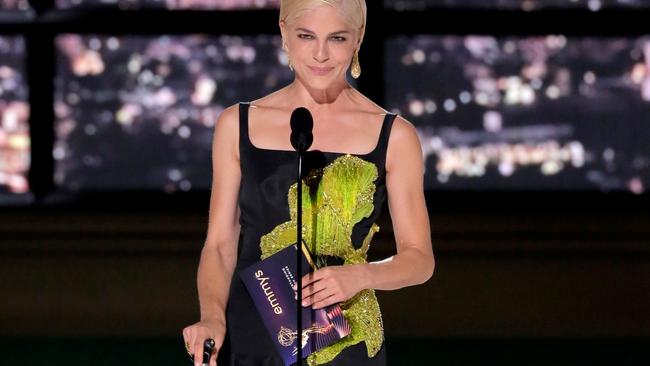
<point x="197" y="333"/>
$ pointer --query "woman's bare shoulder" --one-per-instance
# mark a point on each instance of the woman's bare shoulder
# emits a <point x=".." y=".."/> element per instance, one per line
<point x="365" y="105"/>
<point x="228" y="119"/>
<point x="403" y="141"/>
<point x="230" y="115"/>
<point x="404" y="130"/>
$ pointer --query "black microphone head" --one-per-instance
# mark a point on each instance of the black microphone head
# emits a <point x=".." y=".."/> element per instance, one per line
<point x="302" y="125"/>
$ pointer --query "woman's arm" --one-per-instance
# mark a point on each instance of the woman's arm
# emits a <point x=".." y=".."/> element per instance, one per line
<point x="414" y="262"/>
<point x="219" y="253"/>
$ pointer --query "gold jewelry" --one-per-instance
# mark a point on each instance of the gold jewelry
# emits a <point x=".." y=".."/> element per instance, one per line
<point x="355" y="70"/>
<point x="187" y="348"/>
<point x="284" y="47"/>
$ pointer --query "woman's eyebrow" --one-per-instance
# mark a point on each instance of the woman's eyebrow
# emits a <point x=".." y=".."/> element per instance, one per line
<point x="308" y="31"/>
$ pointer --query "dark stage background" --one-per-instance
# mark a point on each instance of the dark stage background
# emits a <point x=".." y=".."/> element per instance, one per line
<point x="533" y="118"/>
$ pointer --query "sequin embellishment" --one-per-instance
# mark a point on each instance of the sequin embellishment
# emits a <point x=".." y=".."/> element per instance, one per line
<point x="334" y="199"/>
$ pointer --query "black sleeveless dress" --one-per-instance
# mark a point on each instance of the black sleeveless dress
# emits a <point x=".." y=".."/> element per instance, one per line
<point x="266" y="176"/>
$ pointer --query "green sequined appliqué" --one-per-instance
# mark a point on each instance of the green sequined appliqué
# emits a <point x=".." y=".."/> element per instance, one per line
<point x="334" y="199"/>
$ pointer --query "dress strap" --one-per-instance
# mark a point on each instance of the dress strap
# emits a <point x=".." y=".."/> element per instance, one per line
<point x="384" y="136"/>
<point x="243" y="125"/>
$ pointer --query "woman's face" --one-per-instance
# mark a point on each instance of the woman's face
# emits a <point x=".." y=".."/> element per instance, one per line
<point x="320" y="46"/>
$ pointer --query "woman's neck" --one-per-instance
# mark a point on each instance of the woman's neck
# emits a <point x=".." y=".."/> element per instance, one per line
<point x="320" y="100"/>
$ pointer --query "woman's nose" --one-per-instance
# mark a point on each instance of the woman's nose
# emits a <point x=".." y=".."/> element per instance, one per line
<point x="321" y="53"/>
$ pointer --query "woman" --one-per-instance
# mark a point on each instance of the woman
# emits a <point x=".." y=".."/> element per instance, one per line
<point x="254" y="169"/>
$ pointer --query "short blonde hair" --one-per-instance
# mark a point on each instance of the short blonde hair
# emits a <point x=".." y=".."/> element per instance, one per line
<point x="353" y="11"/>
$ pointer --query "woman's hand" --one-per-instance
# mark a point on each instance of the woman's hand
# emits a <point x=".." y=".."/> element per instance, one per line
<point x="197" y="333"/>
<point x="332" y="284"/>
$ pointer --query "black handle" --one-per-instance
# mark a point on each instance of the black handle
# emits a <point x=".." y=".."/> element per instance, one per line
<point x="208" y="346"/>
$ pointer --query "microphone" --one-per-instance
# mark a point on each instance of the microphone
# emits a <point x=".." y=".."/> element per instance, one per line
<point x="302" y="125"/>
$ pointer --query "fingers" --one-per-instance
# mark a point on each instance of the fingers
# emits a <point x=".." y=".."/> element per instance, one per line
<point x="188" y="339"/>
<point x="195" y="337"/>
<point x="315" y="276"/>
<point x="316" y="299"/>
<point x="213" y="358"/>
<point x="315" y="283"/>
<point x="323" y="300"/>
<point x="312" y="289"/>
<point x="197" y="351"/>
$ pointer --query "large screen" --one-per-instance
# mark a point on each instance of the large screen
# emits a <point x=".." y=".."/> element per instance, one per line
<point x="547" y="112"/>
<point x="14" y="117"/>
<point x="525" y="5"/>
<point x="138" y="112"/>
<point x="171" y="4"/>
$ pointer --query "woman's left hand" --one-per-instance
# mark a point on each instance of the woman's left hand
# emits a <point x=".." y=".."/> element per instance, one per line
<point x="330" y="285"/>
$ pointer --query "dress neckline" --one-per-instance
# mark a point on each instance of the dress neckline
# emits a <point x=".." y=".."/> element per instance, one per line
<point x="377" y="143"/>
<point x="313" y="151"/>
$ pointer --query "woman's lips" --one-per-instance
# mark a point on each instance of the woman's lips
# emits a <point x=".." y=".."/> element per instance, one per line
<point x="320" y="70"/>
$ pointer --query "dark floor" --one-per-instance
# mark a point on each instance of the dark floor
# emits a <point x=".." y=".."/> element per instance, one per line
<point x="169" y="351"/>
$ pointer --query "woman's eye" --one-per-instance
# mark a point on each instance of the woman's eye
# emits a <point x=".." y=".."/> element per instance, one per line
<point x="304" y="36"/>
<point x="339" y="39"/>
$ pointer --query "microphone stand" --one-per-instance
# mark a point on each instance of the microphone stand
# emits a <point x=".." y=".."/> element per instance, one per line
<point x="299" y="258"/>
<point x="301" y="138"/>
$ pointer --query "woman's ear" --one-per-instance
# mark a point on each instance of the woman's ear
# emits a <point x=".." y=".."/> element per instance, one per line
<point x="360" y="39"/>
<point x="283" y="31"/>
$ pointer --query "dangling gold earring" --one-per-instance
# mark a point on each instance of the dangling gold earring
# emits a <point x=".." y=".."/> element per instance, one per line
<point x="355" y="70"/>
<point x="284" y="46"/>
